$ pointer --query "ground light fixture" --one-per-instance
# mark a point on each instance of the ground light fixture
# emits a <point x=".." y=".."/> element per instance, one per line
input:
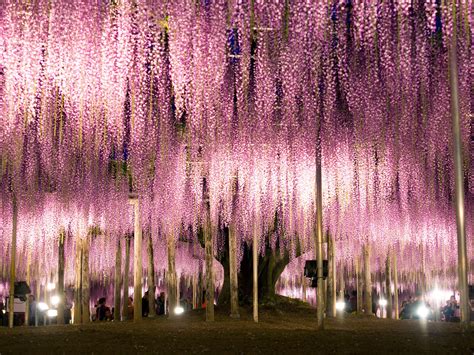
<point x="382" y="302"/>
<point x="423" y="312"/>
<point x="51" y="286"/>
<point x="178" y="310"/>
<point x="51" y="313"/>
<point x="340" y="306"/>
<point x="42" y="306"/>
<point x="55" y="300"/>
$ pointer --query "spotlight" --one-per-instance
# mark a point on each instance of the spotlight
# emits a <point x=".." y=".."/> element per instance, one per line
<point x="51" y="286"/>
<point x="179" y="310"/>
<point x="423" y="312"/>
<point x="55" y="300"/>
<point x="383" y="302"/>
<point x="340" y="305"/>
<point x="3" y="311"/>
<point x="52" y="313"/>
<point x="42" y="306"/>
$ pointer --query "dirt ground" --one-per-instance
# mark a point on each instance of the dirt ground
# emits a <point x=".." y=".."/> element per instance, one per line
<point x="283" y="330"/>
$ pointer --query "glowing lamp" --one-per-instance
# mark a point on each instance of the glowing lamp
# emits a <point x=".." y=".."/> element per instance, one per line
<point x="52" y="313"/>
<point x="178" y="310"/>
<point x="382" y="302"/>
<point x="423" y="312"/>
<point x="42" y="306"/>
<point x="51" y="286"/>
<point x="340" y="305"/>
<point x="55" y="300"/>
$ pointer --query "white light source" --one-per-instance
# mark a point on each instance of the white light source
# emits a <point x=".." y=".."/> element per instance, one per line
<point x="52" y="313"/>
<point x="383" y="302"/>
<point x="3" y="311"/>
<point x="42" y="306"/>
<point x="423" y="312"/>
<point x="340" y="305"/>
<point x="55" y="300"/>
<point x="178" y="310"/>
<point x="51" y="286"/>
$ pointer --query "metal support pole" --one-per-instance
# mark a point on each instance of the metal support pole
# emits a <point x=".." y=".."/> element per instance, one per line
<point x="137" y="262"/>
<point x="255" y="270"/>
<point x="319" y="242"/>
<point x="11" y="303"/>
<point x="459" y="178"/>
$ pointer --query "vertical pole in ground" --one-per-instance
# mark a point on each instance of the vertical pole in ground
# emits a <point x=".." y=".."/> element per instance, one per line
<point x="11" y="303"/>
<point x="126" y="273"/>
<point x="234" y="287"/>
<point x="331" y="278"/>
<point x="151" y="278"/>
<point x="358" y="285"/>
<point x="137" y="262"/>
<point x="194" y="280"/>
<point x="208" y="244"/>
<point x="459" y="177"/>
<point x="341" y="283"/>
<point x="319" y="241"/>
<point x="367" y="281"/>
<point x="388" y="286"/>
<point x="86" y="307"/>
<point x="78" y="284"/>
<point x="255" y="269"/>
<point x="395" y="285"/>
<point x="28" y="281"/>
<point x="117" y="281"/>
<point x="37" y="295"/>
<point x="62" y="237"/>
<point x="172" y="279"/>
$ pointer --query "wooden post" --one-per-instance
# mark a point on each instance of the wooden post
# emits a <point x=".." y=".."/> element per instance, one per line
<point x="28" y="281"/>
<point x="331" y="298"/>
<point x="11" y="304"/>
<point x="78" y="284"/>
<point x="234" y="287"/>
<point x="395" y="286"/>
<point x="208" y="241"/>
<point x="86" y="312"/>
<point x="358" y="286"/>
<point x="319" y="240"/>
<point x="367" y="280"/>
<point x="62" y="235"/>
<point x="255" y="270"/>
<point x="303" y="287"/>
<point x="463" y="260"/>
<point x="388" y="286"/>
<point x="126" y="273"/>
<point x="137" y="262"/>
<point x="194" y="280"/>
<point x="38" y="289"/>
<point x="341" y="283"/>
<point x="172" y="279"/>
<point x="117" y="281"/>
<point x="151" y="278"/>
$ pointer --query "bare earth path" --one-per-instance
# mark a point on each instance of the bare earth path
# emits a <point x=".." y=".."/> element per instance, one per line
<point x="288" y="331"/>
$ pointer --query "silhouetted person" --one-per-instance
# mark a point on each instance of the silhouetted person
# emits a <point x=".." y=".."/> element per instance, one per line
<point x="160" y="304"/>
<point x="145" y="305"/>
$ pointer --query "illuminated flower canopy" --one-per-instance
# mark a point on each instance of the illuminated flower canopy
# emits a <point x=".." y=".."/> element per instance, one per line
<point x="100" y="98"/>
